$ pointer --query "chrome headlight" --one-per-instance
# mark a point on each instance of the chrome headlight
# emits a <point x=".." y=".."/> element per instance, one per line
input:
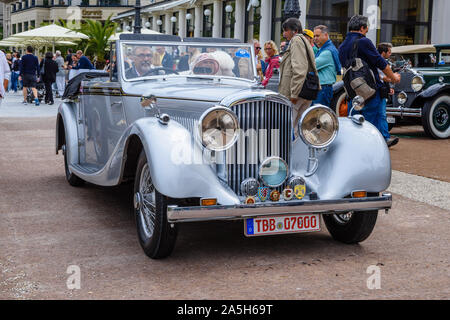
<point x="218" y="128"/>
<point x="417" y="83"/>
<point x="318" y="126"/>
<point x="402" y="98"/>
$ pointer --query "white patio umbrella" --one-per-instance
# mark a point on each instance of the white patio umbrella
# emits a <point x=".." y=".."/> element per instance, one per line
<point x="116" y="36"/>
<point x="51" y="33"/>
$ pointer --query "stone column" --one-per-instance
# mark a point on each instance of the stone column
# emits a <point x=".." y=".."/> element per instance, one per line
<point x="239" y="16"/>
<point x="182" y="23"/>
<point x="371" y="11"/>
<point x="198" y="27"/>
<point x="155" y="27"/>
<point x="440" y="23"/>
<point x="217" y="19"/>
<point x="168" y="23"/>
<point x="265" y="26"/>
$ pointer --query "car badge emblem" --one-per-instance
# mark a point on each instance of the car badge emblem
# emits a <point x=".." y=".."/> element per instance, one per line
<point x="299" y="191"/>
<point x="263" y="193"/>
<point x="288" y="193"/>
<point x="275" y="196"/>
<point x="250" y="200"/>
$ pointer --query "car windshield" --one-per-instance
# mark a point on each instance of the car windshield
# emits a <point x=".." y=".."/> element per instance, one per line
<point x="145" y="59"/>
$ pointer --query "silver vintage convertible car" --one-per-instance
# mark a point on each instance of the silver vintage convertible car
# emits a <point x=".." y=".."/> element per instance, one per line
<point x="188" y="122"/>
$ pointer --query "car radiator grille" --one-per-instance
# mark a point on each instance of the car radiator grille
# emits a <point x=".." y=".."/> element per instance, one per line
<point x="265" y="131"/>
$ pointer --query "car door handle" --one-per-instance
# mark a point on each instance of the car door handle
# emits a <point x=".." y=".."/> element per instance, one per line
<point x="118" y="103"/>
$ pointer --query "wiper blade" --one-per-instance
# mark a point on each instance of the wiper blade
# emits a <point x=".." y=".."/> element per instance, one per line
<point x="200" y="78"/>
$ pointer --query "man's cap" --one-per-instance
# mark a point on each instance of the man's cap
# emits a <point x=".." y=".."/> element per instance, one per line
<point x="308" y="33"/>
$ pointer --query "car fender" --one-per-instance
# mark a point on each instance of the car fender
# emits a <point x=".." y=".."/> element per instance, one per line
<point x="177" y="164"/>
<point x="66" y="118"/>
<point x="434" y="90"/>
<point x="358" y="160"/>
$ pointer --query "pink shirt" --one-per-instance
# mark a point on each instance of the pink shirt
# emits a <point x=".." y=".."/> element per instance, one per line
<point x="273" y="62"/>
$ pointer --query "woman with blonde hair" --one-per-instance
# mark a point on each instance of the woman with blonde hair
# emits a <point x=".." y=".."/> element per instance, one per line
<point x="272" y="61"/>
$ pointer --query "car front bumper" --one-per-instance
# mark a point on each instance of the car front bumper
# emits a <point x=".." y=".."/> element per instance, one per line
<point x="403" y="112"/>
<point x="243" y="211"/>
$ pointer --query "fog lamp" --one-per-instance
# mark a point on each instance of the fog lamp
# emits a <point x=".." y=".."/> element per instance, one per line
<point x="402" y="98"/>
<point x="273" y="171"/>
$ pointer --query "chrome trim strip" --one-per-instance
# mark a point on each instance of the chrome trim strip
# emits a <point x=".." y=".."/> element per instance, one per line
<point x="242" y="211"/>
<point x="410" y="112"/>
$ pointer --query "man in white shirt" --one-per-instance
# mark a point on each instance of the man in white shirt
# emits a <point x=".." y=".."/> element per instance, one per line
<point x="4" y="75"/>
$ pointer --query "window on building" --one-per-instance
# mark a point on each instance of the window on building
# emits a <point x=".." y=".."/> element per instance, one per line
<point x="207" y="21"/>
<point x="32" y="24"/>
<point x="405" y="22"/>
<point x="228" y="19"/>
<point x="108" y="3"/>
<point x="334" y="14"/>
<point x="14" y="29"/>
<point x="176" y="25"/>
<point x="25" y="26"/>
<point x="190" y="23"/>
<point x="161" y="27"/>
<point x="252" y="21"/>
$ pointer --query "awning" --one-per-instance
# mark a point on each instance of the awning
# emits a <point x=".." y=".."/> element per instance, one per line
<point x="419" y="48"/>
<point x="166" y="6"/>
<point x="155" y="8"/>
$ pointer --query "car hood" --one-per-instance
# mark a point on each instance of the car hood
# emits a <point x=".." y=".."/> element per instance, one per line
<point x="192" y="89"/>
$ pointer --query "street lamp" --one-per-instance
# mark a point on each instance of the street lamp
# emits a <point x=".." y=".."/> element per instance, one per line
<point x="137" y="17"/>
<point x="291" y="10"/>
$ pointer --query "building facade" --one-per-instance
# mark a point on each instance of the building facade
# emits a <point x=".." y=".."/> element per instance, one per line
<point x="401" y="22"/>
<point x="398" y="21"/>
<point x="23" y="15"/>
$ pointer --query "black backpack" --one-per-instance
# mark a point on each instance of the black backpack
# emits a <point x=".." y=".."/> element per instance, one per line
<point x="359" y="79"/>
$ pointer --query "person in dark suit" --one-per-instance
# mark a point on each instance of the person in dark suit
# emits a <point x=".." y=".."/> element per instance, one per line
<point x="166" y="59"/>
<point x="49" y="76"/>
<point x="142" y="62"/>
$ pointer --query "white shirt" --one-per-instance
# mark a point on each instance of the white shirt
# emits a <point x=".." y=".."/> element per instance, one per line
<point x="4" y="72"/>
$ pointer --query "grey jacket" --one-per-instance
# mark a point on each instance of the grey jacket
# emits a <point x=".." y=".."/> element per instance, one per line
<point x="60" y="62"/>
<point x="294" y="66"/>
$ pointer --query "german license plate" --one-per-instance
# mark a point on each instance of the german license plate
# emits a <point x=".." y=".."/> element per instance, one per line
<point x="262" y="226"/>
<point x="391" y="120"/>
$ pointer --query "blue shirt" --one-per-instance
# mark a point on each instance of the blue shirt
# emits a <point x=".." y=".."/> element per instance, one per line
<point x="84" y="63"/>
<point x="366" y="51"/>
<point x="29" y="65"/>
<point x="325" y="68"/>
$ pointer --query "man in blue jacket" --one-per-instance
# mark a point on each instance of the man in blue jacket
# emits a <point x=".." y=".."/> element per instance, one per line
<point x="29" y="72"/>
<point x="83" y="62"/>
<point x="358" y="27"/>
<point x="327" y="64"/>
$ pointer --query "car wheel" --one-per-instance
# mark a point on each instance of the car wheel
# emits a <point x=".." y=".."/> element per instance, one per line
<point x="436" y="117"/>
<point x="156" y="237"/>
<point x="339" y="104"/>
<point x="71" y="178"/>
<point x="351" y="227"/>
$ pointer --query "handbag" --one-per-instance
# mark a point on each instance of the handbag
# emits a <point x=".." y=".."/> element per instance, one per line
<point x="42" y="71"/>
<point x="311" y="86"/>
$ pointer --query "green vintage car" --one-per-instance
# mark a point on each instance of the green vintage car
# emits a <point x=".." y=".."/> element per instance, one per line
<point x="423" y="94"/>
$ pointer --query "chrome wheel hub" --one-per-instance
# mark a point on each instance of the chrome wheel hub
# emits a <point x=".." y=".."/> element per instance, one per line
<point x="343" y="218"/>
<point x="144" y="202"/>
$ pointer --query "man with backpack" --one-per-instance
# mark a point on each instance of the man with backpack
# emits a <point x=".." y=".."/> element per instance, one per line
<point x="361" y="62"/>
<point x="29" y="72"/>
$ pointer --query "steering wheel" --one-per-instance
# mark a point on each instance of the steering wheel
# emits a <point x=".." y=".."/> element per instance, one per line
<point x="152" y="71"/>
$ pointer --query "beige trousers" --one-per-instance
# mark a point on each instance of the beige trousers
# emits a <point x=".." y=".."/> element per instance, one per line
<point x="297" y="111"/>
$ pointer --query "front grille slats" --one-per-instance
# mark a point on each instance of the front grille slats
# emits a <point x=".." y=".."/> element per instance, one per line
<point x="263" y="117"/>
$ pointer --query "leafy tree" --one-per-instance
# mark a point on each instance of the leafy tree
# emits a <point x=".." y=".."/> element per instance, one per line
<point x="98" y="33"/>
